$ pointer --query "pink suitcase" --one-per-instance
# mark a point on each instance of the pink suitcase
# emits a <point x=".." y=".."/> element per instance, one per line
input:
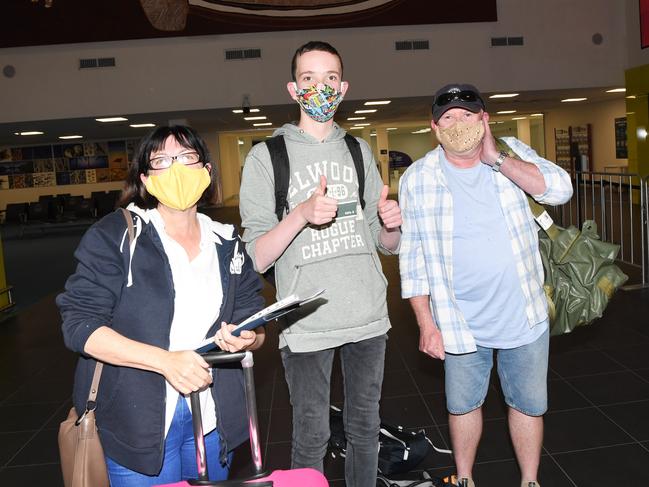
<point x="303" y="477"/>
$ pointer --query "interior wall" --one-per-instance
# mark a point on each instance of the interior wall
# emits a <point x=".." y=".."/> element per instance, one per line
<point x="602" y="117"/>
<point x="415" y="145"/>
<point x="186" y="73"/>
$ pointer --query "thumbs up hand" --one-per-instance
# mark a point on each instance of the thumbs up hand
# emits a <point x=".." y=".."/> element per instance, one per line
<point x="319" y="208"/>
<point x="389" y="210"/>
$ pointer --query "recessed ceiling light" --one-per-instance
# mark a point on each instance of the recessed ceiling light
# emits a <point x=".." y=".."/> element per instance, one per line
<point x="391" y="128"/>
<point x="33" y="132"/>
<point x="365" y="111"/>
<point x="492" y="123"/>
<point x="519" y="118"/>
<point x="141" y="125"/>
<point x="255" y="118"/>
<point x="240" y="141"/>
<point x="373" y="134"/>
<point x="631" y="97"/>
<point x="356" y="118"/>
<point x="422" y="131"/>
<point x="504" y="95"/>
<point x="536" y="115"/>
<point x="240" y="110"/>
<point x="362" y="124"/>
<point x="573" y="99"/>
<point x="617" y="90"/>
<point x="112" y="119"/>
<point x="355" y="128"/>
<point x="264" y="124"/>
<point x="66" y="137"/>
<point x="378" y="102"/>
<point x="506" y="112"/>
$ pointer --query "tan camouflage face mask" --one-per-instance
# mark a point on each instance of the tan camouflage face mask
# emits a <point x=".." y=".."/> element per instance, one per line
<point x="461" y="137"/>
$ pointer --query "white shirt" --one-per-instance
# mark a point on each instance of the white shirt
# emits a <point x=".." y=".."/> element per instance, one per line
<point x="197" y="303"/>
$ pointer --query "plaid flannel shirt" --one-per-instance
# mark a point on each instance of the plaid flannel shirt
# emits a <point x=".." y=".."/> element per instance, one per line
<point x="426" y="258"/>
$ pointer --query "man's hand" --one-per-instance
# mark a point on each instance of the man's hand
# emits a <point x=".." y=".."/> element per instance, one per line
<point x="490" y="151"/>
<point x="319" y="209"/>
<point x="431" y="342"/>
<point x="389" y="210"/>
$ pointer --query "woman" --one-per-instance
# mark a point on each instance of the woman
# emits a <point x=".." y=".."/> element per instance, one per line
<point x="143" y="308"/>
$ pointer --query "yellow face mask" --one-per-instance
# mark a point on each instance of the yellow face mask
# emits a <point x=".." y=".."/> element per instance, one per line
<point x="179" y="187"/>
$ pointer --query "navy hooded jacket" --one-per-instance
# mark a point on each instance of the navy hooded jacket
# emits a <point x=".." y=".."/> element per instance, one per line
<point x="134" y="295"/>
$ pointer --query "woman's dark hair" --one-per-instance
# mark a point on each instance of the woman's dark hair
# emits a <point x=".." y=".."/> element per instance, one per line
<point x="134" y="190"/>
<point x="314" y="46"/>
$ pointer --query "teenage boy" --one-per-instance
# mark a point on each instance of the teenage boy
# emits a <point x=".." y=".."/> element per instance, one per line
<point x="325" y="239"/>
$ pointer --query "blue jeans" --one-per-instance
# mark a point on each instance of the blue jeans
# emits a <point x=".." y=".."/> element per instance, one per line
<point x="523" y="376"/>
<point x="179" y="462"/>
<point x="309" y="378"/>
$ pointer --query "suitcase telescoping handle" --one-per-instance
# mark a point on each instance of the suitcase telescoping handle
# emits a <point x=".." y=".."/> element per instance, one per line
<point x="219" y="358"/>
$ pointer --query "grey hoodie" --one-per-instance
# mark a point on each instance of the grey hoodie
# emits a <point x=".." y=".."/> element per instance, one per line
<point x="339" y="257"/>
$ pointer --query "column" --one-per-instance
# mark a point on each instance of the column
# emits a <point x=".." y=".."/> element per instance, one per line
<point x="384" y="157"/>
<point x="523" y="131"/>
<point x="230" y="165"/>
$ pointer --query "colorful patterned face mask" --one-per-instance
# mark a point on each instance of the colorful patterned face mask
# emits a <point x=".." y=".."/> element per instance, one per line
<point x="319" y="104"/>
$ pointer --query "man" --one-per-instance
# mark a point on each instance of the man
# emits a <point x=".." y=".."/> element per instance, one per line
<point x="471" y="268"/>
<point x="325" y="240"/>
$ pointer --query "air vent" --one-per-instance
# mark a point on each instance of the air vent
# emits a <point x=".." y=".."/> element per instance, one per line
<point x="420" y="45"/>
<point x="237" y="54"/>
<point x="411" y="45"/>
<point x="506" y="41"/>
<point x="102" y="62"/>
<point x="87" y="63"/>
<point x="403" y="45"/>
<point x="106" y="62"/>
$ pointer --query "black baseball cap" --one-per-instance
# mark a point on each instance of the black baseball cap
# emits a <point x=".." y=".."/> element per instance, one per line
<point x="456" y="96"/>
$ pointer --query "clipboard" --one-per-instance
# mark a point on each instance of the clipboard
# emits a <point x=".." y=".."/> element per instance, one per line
<point x="270" y="313"/>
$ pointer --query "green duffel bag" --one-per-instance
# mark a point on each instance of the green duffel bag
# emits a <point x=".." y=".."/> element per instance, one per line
<point x="580" y="275"/>
<point x="580" y="271"/>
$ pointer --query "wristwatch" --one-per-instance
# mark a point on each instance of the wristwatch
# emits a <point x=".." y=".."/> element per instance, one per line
<point x="499" y="161"/>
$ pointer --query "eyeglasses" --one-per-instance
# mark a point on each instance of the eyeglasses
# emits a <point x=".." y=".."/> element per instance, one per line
<point x="164" y="162"/>
<point x="468" y="96"/>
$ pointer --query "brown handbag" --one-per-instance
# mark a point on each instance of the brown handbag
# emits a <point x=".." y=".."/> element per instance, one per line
<point x="82" y="457"/>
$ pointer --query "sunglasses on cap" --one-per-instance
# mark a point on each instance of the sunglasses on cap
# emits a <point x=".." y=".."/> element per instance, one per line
<point x="467" y="96"/>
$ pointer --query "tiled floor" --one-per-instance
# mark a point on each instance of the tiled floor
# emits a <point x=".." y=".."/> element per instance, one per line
<point x="597" y="429"/>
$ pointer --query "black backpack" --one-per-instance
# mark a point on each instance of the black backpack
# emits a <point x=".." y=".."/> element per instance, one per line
<point x="279" y="159"/>
<point x="400" y="449"/>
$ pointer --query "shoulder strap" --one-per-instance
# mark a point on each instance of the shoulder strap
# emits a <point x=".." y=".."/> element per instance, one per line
<point x="357" y="156"/>
<point x="279" y="159"/>
<point x="129" y="225"/>
<point x="96" y="377"/>
<point x="540" y="215"/>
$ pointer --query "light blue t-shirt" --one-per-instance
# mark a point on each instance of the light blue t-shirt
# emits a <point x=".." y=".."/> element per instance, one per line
<point x="486" y="285"/>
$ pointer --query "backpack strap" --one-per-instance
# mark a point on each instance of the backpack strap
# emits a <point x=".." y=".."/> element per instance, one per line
<point x="357" y="156"/>
<point x="279" y="159"/>
<point x="540" y="214"/>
